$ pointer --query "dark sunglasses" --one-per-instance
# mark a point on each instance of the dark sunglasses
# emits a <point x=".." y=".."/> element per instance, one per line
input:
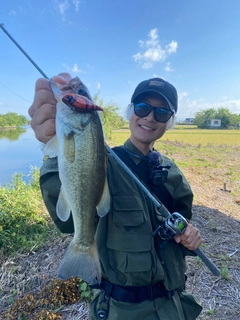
<point x="161" y="114"/>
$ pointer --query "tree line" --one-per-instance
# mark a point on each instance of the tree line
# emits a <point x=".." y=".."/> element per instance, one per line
<point x="12" y="119"/>
<point x="228" y="119"/>
<point x="112" y="120"/>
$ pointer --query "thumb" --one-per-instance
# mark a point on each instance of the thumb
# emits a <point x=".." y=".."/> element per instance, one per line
<point x="62" y="78"/>
<point x="177" y="239"/>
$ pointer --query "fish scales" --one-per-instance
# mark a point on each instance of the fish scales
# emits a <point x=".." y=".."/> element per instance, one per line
<point x="87" y="180"/>
<point x="82" y="159"/>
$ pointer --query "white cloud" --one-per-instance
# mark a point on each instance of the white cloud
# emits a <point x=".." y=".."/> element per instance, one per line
<point x="61" y="6"/>
<point x="153" y="52"/>
<point x="168" y="67"/>
<point x="76" y="4"/>
<point x="12" y="13"/>
<point x="182" y="95"/>
<point x="188" y="108"/>
<point x="73" y="69"/>
<point x="98" y="86"/>
<point x="171" y="47"/>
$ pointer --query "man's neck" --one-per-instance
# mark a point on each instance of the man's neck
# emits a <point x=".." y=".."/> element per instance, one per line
<point x="144" y="148"/>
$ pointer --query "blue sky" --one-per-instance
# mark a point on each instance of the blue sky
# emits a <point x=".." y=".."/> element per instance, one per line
<point x="112" y="45"/>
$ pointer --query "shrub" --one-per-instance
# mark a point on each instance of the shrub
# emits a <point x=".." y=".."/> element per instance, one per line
<point x="23" y="221"/>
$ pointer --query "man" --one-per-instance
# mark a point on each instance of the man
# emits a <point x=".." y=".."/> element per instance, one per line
<point x="143" y="277"/>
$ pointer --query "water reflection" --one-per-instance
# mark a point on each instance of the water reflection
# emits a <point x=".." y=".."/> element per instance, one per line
<point x="11" y="134"/>
<point x="19" y="151"/>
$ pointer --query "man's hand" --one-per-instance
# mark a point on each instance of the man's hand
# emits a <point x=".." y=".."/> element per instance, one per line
<point x="191" y="238"/>
<point x="43" y="109"/>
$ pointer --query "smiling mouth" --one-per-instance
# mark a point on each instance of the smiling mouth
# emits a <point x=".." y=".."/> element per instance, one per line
<point x="145" y="127"/>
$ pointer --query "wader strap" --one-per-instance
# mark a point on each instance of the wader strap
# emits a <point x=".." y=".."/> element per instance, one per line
<point x="135" y="294"/>
<point x="141" y="170"/>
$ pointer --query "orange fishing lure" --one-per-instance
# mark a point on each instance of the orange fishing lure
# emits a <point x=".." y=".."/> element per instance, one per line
<point x="79" y="103"/>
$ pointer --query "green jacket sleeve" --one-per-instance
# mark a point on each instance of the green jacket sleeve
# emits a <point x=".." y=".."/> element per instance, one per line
<point x="50" y="187"/>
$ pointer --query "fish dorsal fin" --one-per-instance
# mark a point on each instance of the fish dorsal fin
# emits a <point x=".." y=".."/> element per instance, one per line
<point x="62" y="208"/>
<point x="103" y="206"/>
<point x="51" y="147"/>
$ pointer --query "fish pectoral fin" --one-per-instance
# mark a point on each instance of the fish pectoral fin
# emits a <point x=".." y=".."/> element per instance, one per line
<point x="103" y="206"/>
<point x="62" y="208"/>
<point x="51" y="147"/>
<point x="84" y="265"/>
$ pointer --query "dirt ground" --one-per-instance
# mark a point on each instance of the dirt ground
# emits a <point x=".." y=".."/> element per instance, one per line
<point x="217" y="215"/>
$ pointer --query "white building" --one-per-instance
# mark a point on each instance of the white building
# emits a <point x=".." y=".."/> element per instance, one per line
<point x="215" y="123"/>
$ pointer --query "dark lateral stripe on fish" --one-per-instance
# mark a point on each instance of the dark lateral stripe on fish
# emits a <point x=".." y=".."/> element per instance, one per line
<point x="79" y="103"/>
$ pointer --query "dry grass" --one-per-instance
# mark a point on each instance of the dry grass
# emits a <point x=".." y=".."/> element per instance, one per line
<point x="216" y="214"/>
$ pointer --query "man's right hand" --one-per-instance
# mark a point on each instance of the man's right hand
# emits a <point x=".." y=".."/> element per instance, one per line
<point x="43" y="109"/>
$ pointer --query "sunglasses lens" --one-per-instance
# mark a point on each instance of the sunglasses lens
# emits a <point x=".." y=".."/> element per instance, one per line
<point x="142" y="109"/>
<point x="162" y="114"/>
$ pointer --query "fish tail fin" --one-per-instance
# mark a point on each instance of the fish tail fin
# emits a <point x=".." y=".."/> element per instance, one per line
<point x="82" y="264"/>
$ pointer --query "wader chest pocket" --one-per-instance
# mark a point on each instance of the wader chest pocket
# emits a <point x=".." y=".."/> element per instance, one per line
<point x="129" y="236"/>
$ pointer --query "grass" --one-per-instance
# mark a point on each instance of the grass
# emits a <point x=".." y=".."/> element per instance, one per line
<point x="213" y="153"/>
<point x="193" y="136"/>
<point x="24" y="223"/>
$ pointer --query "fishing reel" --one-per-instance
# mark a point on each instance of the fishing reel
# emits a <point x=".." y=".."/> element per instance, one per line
<point x="174" y="225"/>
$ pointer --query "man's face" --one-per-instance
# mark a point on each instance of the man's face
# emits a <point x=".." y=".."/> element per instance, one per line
<point x="145" y="131"/>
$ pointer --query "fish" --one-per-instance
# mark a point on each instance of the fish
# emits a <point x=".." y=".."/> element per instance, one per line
<point x="82" y="162"/>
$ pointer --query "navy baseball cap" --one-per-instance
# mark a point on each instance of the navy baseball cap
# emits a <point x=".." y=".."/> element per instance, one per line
<point x="160" y="86"/>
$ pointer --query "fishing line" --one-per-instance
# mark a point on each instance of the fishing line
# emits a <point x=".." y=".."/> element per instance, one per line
<point x="14" y="92"/>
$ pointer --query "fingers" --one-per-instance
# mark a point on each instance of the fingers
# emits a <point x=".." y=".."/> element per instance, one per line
<point x="62" y="78"/>
<point x="43" y="94"/>
<point x="43" y="122"/>
<point x="43" y="109"/>
<point x="191" y="238"/>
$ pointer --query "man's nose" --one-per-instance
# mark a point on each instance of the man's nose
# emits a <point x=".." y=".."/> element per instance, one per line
<point x="150" y="116"/>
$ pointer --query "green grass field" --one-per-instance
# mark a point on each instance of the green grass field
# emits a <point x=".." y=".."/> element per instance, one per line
<point x="191" y="135"/>
<point x="214" y="153"/>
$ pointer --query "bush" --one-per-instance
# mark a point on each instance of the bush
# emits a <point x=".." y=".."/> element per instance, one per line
<point x="23" y="222"/>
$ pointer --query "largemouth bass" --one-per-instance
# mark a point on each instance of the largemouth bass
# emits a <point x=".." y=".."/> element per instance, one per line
<point x="82" y="157"/>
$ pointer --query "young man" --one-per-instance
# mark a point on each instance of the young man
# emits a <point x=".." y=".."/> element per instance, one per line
<point x="142" y="279"/>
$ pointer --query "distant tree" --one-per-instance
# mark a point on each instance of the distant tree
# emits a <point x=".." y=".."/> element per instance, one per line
<point x="225" y="115"/>
<point x="110" y="117"/>
<point x="12" y="119"/>
<point x="235" y="120"/>
<point x="203" y="117"/>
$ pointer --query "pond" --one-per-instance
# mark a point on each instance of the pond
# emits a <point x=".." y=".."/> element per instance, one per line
<point x="19" y="152"/>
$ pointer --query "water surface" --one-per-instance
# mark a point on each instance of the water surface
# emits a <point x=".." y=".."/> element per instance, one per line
<point x="19" y="152"/>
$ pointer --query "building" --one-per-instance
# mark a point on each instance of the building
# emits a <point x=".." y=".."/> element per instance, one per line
<point x="189" y="120"/>
<point x="215" y="123"/>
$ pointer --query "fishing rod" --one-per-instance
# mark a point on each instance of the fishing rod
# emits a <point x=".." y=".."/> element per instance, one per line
<point x="175" y="224"/>
<point x="21" y="49"/>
